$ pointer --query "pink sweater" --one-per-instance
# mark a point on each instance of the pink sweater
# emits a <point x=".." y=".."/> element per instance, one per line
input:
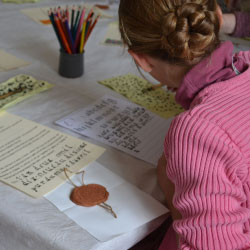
<point x="208" y="159"/>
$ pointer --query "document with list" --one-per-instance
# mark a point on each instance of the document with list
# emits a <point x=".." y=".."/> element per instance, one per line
<point x="123" y="125"/>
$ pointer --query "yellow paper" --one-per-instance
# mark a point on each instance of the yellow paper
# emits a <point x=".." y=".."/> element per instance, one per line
<point x="8" y="61"/>
<point x="158" y="101"/>
<point x="33" y="156"/>
<point x="24" y="86"/>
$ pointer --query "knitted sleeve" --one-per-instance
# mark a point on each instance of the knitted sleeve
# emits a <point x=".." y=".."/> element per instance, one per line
<point x="242" y="28"/>
<point x="204" y="164"/>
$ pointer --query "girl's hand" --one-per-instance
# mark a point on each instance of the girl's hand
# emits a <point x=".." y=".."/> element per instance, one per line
<point x="228" y="23"/>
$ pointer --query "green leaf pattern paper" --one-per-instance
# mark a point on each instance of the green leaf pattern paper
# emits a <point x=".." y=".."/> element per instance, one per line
<point x="27" y="84"/>
<point x="158" y="101"/>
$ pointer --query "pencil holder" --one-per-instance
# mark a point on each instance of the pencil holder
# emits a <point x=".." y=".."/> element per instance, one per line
<point x="71" y="65"/>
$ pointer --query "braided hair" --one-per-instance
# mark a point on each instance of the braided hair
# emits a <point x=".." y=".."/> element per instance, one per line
<point x="177" y="31"/>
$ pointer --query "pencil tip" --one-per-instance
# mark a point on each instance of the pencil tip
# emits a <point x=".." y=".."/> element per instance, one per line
<point x="147" y="89"/>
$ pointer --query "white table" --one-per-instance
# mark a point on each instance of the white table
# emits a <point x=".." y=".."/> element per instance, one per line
<point x="30" y="224"/>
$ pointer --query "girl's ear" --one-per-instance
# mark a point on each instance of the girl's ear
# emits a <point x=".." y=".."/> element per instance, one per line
<point x="141" y="60"/>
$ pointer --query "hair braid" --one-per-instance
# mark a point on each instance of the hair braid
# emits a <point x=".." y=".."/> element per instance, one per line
<point x="188" y="31"/>
<point x="172" y="30"/>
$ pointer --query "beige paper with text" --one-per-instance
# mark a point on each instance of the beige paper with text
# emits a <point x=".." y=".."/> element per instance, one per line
<point x="32" y="156"/>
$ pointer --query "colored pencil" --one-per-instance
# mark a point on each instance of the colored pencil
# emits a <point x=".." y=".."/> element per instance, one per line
<point x="68" y="34"/>
<point x="76" y="22"/>
<point x="62" y="35"/>
<point x="72" y="34"/>
<point x="84" y="30"/>
<point x="51" y="17"/>
<point x="154" y="87"/>
<point x="91" y="28"/>
<point x="79" y="28"/>
<point x="67" y="13"/>
<point x="90" y="14"/>
<point x="59" y="12"/>
<point x="72" y="19"/>
<point x="88" y="24"/>
<point x="82" y="36"/>
<point x="89" y="20"/>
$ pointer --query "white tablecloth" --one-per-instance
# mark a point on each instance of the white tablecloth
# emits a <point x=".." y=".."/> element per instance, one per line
<point x="35" y="224"/>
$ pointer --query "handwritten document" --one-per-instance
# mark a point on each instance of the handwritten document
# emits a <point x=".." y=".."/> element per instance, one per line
<point x="33" y="156"/>
<point x="123" y="125"/>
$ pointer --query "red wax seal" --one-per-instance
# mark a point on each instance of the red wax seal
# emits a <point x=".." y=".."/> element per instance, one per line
<point x="89" y="195"/>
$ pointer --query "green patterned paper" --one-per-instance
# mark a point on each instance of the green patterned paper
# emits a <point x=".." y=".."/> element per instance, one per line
<point x="19" y="88"/>
<point x="158" y="101"/>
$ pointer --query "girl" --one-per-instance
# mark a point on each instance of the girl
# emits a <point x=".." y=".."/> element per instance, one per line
<point x="205" y="169"/>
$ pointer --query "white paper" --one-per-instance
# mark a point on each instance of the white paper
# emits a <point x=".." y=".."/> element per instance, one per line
<point x="113" y="36"/>
<point x="9" y="62"/>
<point x="132" y="206"/>
<point x="123" y="125"/>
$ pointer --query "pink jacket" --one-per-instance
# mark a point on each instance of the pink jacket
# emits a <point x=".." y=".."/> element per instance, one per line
<point x="208" y="159"/>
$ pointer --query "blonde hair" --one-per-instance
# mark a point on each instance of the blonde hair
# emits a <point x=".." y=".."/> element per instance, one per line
<point x="177" y="31"/>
